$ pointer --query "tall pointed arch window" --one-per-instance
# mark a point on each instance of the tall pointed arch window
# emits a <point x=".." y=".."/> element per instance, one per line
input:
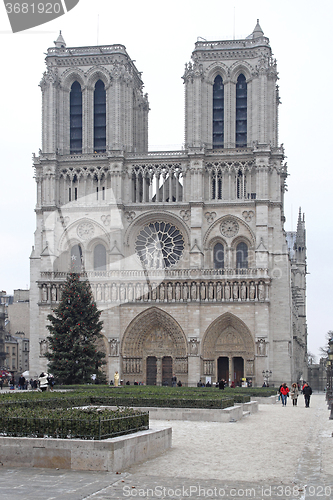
<point x="218" y="113"/>
<point x="218" y="256"/>
<point x="99" y="258"/>
<point x="242" y="256"/>
<point x="99" y="117"/>
<point x="76" y="259"/>
<point x="241" y="112"/>
<point x="75" y="106"/>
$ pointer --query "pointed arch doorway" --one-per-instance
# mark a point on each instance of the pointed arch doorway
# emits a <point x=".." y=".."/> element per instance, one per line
<point x="155" y="345"/>
<point x="228" y="346"/>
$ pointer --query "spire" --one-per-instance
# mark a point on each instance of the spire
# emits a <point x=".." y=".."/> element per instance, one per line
<point x="300" y="232"/>
<point x="60" y="42"/>
<point x="257" y="32"/>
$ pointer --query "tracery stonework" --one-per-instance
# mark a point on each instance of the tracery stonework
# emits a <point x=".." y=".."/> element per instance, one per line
<point x="229" y="228"/>
<point x="85" y="230"/>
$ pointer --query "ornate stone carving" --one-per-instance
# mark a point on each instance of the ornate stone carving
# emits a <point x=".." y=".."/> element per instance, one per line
<point x="106" y="219"/>
<point x="130" y="216"/>
<point x="249" y="368"/>
<point x="113" y="347"/>
<point x="229" y="228"/>
<point x="208" y="367"/>
<point x="85" y="230"/>
<point x="194" y="347"/>
<point x="185" y="214"/>
<point x="261" y="347"/>
<point x="210" y="216"/>
<point x="248" y="215"/>
<point x="43" y="347"/>
<point x="181" y="365"/>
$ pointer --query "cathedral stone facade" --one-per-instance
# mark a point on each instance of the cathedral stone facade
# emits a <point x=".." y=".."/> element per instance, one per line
<point x="185" y="250"/>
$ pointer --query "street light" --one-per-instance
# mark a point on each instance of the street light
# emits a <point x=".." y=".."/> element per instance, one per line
<point x="266" y="374"/>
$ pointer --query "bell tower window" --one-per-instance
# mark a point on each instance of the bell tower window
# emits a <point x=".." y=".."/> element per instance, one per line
<point x="218" y="113"/>
<point x="75" y="118"/>
<point x="241" y="112"/>
<point x="99" y="117"/>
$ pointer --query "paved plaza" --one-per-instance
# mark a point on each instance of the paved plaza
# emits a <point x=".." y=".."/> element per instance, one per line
<point x="279" y="452"/>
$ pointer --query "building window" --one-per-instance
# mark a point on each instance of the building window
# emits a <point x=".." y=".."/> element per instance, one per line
<point x="217" y="186"/>
<point x="241" y="185"/>
<point x="218" y="113"/>
<point x="241" y="112"/>
<point x="218" y="256"/>
<point x="13" y="351"/>
<point x="242" y="256"/>
<point x="99" y="117"/>
<point x="99" y="258"/>
<point x="76" y="258"/>
<point x="76" y="118"/>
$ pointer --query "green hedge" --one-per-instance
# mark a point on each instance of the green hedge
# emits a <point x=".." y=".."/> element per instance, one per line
<point x="90" y="423"/>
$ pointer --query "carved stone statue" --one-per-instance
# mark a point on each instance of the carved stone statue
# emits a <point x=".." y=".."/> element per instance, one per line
<point x="243" y="291"/>
<point x="235" y="291"/>
<point x="169" y="292"/>
<point x="162" y="293"/>
<point x="202" y="291"/>
<point x="185" y="292"/>
<point x="219" y="291"/>
<point x="177" y="292"/>
<point x="227" y="291"/>
<point x="194" y="291"/>
<point x="261" y="291"/>
<point x="122" y="293"/>
<point x="114" y="292"/>
<point x="252" y="291"/>
<point x="210" y="291"/>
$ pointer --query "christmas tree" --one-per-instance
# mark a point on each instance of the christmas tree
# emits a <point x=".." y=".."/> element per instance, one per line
<point x="75" y="329"/>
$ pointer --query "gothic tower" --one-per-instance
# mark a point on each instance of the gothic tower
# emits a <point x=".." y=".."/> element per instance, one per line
<point x="185" y="250"/>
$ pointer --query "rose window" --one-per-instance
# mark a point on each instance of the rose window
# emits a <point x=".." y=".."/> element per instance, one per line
<point x="159" y="245"/>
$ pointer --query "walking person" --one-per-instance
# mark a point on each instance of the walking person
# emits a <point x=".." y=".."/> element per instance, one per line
<point x="284" y="393"/>
<point x="307" y="391"/>
<point x="294" y="394"/>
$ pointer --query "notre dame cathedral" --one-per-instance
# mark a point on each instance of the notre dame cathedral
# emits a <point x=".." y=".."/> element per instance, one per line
<point x="185" y="251"/>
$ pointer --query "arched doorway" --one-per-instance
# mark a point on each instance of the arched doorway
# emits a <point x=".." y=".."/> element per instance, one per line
<point x="154" y="348"/>
<point x="228" y="347"/>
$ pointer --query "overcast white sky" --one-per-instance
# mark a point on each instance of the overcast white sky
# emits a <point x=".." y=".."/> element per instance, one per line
<point x="160" y="37"/>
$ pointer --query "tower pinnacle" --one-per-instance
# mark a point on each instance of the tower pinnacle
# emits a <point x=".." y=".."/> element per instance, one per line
<point x="60" y="42"/>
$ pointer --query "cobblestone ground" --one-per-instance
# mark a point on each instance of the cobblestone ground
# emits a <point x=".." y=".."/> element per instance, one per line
<point x="277" y="453"/>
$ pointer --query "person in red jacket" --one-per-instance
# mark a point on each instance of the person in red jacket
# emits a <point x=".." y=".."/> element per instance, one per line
<point x="284" y="393"/>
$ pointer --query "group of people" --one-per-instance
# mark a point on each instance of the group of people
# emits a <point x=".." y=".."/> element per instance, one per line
<point x="284" y="392"/>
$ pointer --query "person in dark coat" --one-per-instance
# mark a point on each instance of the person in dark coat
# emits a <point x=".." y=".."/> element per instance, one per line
<point x="307" y="391"/>
<point x="222" y="384"/>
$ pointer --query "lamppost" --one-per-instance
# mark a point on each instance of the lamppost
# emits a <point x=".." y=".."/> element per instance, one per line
<point x="329" y="393"/>
<point x="266" y="374"/>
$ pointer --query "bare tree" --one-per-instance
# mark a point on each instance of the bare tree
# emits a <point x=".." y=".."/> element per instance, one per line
<point x="324" y="350"/>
